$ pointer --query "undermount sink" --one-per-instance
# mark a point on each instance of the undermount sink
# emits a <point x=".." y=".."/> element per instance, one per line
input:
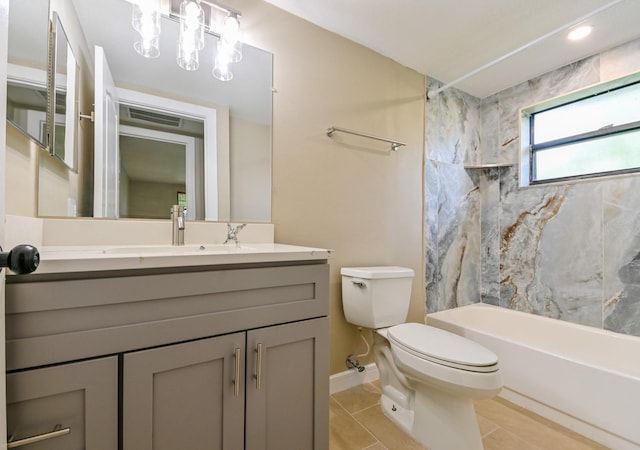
<point x="178" y="249"/>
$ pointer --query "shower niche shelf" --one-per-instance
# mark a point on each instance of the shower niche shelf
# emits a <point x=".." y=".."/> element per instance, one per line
<point x="488" y="165"/>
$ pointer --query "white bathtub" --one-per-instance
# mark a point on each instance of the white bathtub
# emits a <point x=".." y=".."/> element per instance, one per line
<point x="583" y="378"/>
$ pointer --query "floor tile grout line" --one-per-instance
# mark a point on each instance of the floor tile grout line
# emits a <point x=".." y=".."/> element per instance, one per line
<point x="489" y="421"/>
<point x="360" y="410"/>
<point x="517" y="436"/>
<point x="490" y="433"/>
<point x="360" y="423"/>
<point x="374" y="444"/>
<point x="367" y="428"/>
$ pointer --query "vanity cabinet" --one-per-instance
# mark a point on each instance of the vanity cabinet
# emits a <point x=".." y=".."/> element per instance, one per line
<point x="192" y="395"/>
<point x="72" y="406"/>
<point x="230" y="357"/>
<point x="187" y="396"/>
<point x="286" y="382"/>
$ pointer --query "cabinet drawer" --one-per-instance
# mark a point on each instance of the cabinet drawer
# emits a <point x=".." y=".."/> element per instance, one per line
<point x="56" y="321"/>
<point x="81" y="397"/>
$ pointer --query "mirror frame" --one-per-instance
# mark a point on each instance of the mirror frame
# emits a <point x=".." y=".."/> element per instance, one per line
<point x="58" y="38"/>
<point x="51" y="82"/>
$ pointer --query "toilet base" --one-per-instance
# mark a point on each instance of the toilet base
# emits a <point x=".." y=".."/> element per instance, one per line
<point x="439" y="421"/>
<point x="399" y="415"/>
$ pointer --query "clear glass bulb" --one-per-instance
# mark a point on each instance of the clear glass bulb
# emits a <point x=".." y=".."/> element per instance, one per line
<point x="221" y="64"/>
<point x="149" y="48"/>
<point x="191" y="37"/>
<point x="188" y="55"/>
<point x="143" y="12"/>
<point x="192" y="23"/>
<point x="231" y="37"/>
<point x="146" y="21"/>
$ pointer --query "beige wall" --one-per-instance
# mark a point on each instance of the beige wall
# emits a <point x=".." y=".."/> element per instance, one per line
<point x="345" y="193"/>
<point x="250" y="175"/>
<point x="22" y="174"/>
<point x="152" y="200"/>
<point x="58" y="188"/>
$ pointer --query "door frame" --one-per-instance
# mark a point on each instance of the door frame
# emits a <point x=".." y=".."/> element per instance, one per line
<point x="4" y="26"/>
<point x="216" y="144"/>
<point x="105" y="136"/>
<point x="189" y="144"/>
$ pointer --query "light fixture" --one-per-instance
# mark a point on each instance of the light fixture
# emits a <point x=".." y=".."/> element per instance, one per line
<point x="191" y="38"/>
<point x="146" y="21"/>
<point x="580" y="32"/>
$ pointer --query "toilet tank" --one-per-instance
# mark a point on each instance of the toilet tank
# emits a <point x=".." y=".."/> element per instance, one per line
<point x="376" y="297"/>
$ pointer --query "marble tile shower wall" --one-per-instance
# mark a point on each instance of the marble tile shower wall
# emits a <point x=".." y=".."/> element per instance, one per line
<point x="569" y="251"/>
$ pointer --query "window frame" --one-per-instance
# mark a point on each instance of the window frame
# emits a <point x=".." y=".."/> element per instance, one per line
<point x="528" y="149"/>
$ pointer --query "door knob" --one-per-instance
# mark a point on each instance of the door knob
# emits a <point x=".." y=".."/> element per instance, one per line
<point x="21" y="259"/>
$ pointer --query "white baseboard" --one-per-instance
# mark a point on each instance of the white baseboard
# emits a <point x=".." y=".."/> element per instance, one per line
<point x="352" y="378"/>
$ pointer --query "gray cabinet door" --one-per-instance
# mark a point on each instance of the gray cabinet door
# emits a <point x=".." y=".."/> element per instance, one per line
<point x="81" y="398"/>
<point x="185" y="396"/>
<point x="288" y="386"/>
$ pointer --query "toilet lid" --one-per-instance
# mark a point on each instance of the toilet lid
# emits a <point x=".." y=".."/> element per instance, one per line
<point x="442" y="347"/>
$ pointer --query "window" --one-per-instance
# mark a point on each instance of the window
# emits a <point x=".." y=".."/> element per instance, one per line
<point x="590" y="133"/>
<point x="182" y="199"/>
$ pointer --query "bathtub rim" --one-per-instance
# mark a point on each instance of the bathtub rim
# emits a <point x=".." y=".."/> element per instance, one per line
<point x="556" y="322"/>
<point x="593" y="431"/>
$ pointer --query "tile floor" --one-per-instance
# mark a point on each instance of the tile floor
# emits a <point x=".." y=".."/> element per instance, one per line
<point x="357" y="423"/>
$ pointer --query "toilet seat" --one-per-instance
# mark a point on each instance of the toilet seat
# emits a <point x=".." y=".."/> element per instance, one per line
<point x="442" y="347"/>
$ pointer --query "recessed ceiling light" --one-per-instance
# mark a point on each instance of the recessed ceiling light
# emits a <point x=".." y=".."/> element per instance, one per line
<point x="580" y="32"/>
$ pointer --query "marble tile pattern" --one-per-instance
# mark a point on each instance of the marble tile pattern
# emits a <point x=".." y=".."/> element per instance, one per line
<point x="567" y="251"/>
<point x="358" y="423"/>
<point x="452" y="208"/>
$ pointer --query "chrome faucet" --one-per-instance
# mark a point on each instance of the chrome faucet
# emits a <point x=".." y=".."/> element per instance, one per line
<point x="232" y="232"/>
<point x="177" y="218"/>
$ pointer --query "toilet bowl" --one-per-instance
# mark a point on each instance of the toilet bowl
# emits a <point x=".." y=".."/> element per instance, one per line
<point x="429" y="377"/>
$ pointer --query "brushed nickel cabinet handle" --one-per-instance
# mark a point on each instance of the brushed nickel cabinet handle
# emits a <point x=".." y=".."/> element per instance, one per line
<point x="259" y="367"/>
<point x="57" y="432"/>
<point x="236" y="380"/>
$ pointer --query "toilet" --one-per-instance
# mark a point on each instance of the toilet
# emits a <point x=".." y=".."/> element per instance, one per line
<point x="429" y="377"/>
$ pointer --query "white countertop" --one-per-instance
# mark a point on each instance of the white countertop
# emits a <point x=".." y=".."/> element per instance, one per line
<point x="66" y="259"/>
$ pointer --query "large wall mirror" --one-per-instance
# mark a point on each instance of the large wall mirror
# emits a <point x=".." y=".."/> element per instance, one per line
<point x="182" y="136"/>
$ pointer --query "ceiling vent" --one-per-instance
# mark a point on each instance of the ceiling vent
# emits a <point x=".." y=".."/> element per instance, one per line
<point x="155" y="117"/>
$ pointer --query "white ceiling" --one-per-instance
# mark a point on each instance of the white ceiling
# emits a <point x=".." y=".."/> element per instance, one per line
<point x="447" y="39"/>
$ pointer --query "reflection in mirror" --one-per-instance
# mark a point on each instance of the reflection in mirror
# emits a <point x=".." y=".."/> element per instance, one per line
<point x="161" y="163"/>
<point x="65" y="99"/>
<point x="202" y="168"/>
<point x="242" y="192"/>
<point x="27" y="67"/>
